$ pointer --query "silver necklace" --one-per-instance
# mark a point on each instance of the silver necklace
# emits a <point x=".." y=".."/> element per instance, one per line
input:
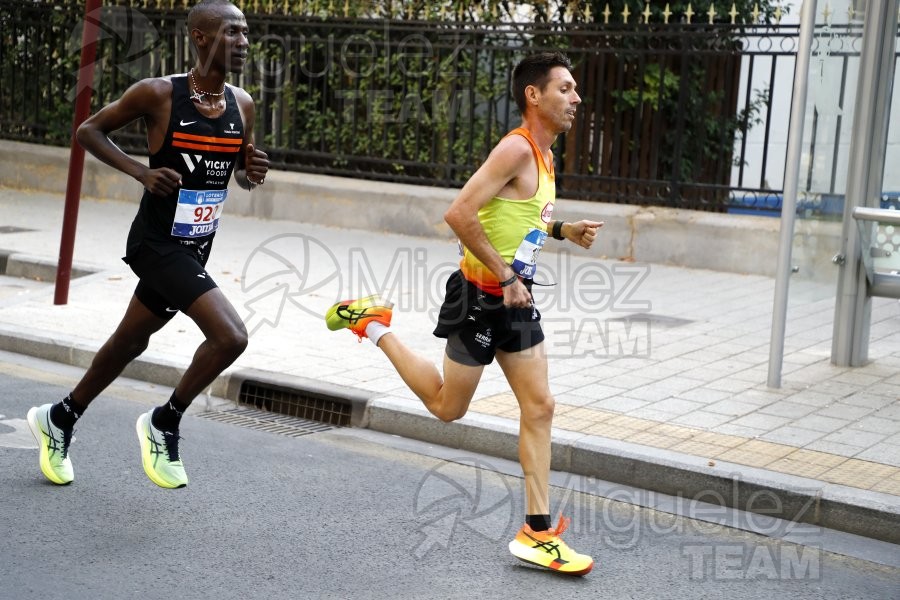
<point x="198" y="93"/>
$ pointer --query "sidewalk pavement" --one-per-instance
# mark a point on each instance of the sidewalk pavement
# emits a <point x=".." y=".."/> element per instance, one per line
<point x="658" y="372"/>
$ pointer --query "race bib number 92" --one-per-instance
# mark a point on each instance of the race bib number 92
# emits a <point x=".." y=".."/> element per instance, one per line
<point x="197" y="212"/>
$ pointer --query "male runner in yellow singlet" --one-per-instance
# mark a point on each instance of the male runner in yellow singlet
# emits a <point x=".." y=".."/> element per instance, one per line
<point x="501" y="216"/>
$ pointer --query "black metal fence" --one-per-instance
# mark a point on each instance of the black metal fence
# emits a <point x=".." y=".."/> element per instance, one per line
<point x="666" y="116"/>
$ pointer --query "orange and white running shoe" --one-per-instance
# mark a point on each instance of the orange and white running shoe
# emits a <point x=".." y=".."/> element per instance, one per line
<point x="546" y="549"/>
<point x="356" y="314"/>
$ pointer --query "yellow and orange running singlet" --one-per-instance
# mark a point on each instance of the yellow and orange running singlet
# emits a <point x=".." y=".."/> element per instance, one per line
<point x="515" y="228"/>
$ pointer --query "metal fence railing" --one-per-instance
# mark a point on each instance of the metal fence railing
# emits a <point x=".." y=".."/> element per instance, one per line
<point x="667" y="111"/>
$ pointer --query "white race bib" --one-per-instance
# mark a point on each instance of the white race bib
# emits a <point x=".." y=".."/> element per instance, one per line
<point x="197" y="212"/>
<point x="525" y="261"/>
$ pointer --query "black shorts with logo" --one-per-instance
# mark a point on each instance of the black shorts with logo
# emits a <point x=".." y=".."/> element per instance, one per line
<point x="476" y="324"/>
<point x="172" y="280"/>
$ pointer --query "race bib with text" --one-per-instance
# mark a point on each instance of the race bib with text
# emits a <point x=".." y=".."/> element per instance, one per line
<point x="197" y="212"/>
<point x="525" y="261"/>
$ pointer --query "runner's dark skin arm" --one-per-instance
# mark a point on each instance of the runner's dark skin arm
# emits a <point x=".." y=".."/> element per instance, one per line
<point x="150" y="100"/>
<point x="253" y="163"/>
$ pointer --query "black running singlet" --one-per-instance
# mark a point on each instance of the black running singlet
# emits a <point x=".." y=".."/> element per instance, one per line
<point x="205" y="151"/>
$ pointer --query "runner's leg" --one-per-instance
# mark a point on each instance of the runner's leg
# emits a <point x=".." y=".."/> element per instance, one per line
<point x="226" y="339"/>
<point x="526" y="372"/>
<point x="128" y="341"/>
<point x="446" y="398"/>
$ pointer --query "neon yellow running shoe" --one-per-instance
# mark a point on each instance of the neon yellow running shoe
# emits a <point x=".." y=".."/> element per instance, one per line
<point x="546" y="549"/>
<point x="53" y="443"/>
<point x="159" y="454"/>
<point x="356" y="314"/>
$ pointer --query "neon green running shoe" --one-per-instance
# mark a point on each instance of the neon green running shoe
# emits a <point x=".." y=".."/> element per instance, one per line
<point x="53" y="443"/>
<point x="356" y="314"/>
<point x="159" y="454"/>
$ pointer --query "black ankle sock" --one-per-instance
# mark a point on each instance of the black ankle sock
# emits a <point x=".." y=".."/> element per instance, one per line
<point x="65" y="413"/>
<point x="168" y="416"/>
<point x="538" y="522"/>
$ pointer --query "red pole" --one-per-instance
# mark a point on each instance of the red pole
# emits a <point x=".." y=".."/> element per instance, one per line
<point x="84" y="90"/>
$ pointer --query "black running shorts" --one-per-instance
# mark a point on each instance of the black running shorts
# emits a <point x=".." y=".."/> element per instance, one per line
<point x="172" y="281"/>
<point x="476" y="324"/>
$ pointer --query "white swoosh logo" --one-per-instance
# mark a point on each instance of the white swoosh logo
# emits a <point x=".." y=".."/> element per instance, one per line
<point x="182" y="123"/>
<point x="171" y="309"/>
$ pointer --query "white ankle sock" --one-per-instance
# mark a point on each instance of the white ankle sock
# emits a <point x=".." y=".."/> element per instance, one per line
<point x="375" y="331"/>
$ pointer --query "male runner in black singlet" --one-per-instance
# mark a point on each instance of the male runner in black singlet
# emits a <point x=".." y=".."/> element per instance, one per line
<point x="199" y="131"/>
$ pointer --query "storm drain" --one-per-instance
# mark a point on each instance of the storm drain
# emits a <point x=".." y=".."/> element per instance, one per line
<point x="296" y="403"/>
<point x="258" y="420"/>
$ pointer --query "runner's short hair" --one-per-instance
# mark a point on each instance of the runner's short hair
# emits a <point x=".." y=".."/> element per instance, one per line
<point x="200" y="11"/>
<point x="535" y="70"/>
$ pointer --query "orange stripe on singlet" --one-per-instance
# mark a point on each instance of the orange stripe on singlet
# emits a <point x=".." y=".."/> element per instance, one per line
<point x="231" y="149"/>
<point x="202" y="138"/>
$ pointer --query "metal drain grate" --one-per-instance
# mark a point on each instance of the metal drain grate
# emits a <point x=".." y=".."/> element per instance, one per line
<point x="294" y="403"/>
<point x="259" y="420"/>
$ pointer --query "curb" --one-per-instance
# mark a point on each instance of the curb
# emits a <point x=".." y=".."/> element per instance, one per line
<point x="686" y="477"/>
<point x="19" y="264"/>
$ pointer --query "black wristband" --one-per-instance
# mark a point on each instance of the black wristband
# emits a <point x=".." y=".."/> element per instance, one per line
<point x="556" y="230"/>
<point x="509" y="281"/>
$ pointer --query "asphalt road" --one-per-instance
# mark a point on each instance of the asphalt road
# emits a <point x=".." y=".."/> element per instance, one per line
<point x="341" y="514"/>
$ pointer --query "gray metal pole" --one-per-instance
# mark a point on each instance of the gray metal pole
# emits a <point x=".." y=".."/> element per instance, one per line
<point x="791" y="182"/>
<point x="853" y="310"/>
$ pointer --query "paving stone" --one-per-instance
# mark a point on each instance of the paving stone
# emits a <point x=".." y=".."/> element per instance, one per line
<point x="888" y="454"/>
<point x="703" y="395"/>
<point x="784" y="408"/>
<point x="676" y="431"/>
<point x="702" y="419"/>
<point x="859" y="473"/>
<point x="652" y="414"/>
<point x="756" y="453"/>
<point x="794" y="436"/>
<point x="820" y="423"/>
<point x="834" y="448"/>
<point x="627" y="422"/>
<point x="761" y="421"/>
<point x="648" y="438"/>
<point x="889" y="412"/>
<point x="797" y="467"/>
<point x="593" y="393"/>
<point x="729" y="384"/>
<point x="868" y="400"/>
<point x="609" y="431"/>
<point x="620" y="404"/>
<point x="852" y="437"/>
<point x="676" y="405"/>
<point x="887" y="486"/>
<point x="739" y="430"/>
<point x="856" y="380"/>
<point x="877" y="425"/>
<point x="731" y="407"/>
<point x="840" y="410"/>
<point x="884" y="389"/>
<point x="649" y="393"/>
